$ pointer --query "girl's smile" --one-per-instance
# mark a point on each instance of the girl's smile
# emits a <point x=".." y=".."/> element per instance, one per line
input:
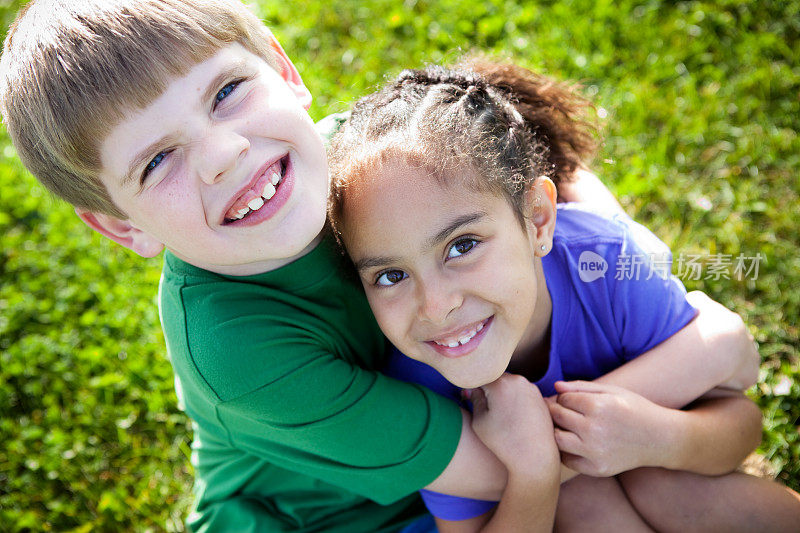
<point x="462" y="343"/>
<point x="451" y="273"/>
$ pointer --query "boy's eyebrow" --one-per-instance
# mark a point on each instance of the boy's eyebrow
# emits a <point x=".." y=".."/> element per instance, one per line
<point x="463" y="220"/>
<point x="211" y="89"/>
<point x="142" y="157"/>
<point x="224" y="75"/>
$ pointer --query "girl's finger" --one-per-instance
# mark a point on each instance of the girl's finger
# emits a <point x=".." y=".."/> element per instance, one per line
<point x="478" y="399"/>
<point x="577" y="401"/>
<point x="582" y="386"/>
<point x="569" y="442"/>
<point x="566" y="418"/>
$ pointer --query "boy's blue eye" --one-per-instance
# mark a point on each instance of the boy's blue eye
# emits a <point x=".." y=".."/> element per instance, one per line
<point x="153" y="164"/>
<point x="225" y="92"/>
<point x="461" y="247"/>
<point x="390" y="277"/>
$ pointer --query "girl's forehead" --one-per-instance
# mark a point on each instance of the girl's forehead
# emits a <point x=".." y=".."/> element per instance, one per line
<point x="408" y="202"/>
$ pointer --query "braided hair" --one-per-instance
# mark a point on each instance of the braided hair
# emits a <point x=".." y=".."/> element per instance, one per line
<point x="505" y="122"/>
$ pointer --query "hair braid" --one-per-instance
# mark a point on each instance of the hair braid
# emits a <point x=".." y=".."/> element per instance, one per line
<point x="503" y="122"/>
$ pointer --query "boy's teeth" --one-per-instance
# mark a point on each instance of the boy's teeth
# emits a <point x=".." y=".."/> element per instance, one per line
<point x="256" y="203"/>
<point x="269" y="191"/>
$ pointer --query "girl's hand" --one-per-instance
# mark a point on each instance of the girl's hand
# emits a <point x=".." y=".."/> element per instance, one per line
<point x="512" y="420"/>
<point x="603" y="430"/>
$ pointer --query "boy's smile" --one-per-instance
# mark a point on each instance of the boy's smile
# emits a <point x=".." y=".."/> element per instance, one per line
<point x="451" y="275"/>
<point x="225" y="168"/>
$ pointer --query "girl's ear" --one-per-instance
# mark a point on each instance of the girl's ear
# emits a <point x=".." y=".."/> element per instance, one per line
<point x="122" y="232"/>
<point x="540" y="207"/>
<point x="289" y="73"/>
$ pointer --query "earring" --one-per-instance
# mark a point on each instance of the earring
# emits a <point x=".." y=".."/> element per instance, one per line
<point x="543" y="248"/>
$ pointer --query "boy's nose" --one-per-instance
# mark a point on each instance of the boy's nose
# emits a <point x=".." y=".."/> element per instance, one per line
<point x="220" y="154"/>
<point x="437" y="299"/>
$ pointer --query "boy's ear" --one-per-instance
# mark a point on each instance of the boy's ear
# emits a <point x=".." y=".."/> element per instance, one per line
<point x="540" y="206"/>
<point x="289" y="73"/>
<point x="122" y="232"/>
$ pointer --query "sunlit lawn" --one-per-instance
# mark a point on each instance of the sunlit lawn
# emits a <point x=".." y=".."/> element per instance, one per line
<point x="702" y="105"/>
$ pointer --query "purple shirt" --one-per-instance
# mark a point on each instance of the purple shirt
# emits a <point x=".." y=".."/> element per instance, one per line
<point x="613" y="299"/>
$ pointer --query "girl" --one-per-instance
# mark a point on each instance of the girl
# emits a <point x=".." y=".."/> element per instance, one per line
<point x="445" y="199"/>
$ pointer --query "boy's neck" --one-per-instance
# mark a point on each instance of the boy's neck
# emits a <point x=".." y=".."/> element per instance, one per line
<point x="252" y="269"/>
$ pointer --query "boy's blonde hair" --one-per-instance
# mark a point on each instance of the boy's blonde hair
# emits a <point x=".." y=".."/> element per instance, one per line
<point x="71" y="69"/>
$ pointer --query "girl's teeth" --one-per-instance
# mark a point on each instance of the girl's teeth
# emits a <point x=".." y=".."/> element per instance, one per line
<point x="242" y="212"/>
<point x="463" y="340"/>
<point x="275" y="178"/>
<point x="269" y="191"/>
<point x="256" y="203"/>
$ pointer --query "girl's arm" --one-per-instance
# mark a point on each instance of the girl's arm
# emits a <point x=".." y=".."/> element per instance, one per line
<point x="604" y="430"/>
<point x="511" y="417"/>
<point x="713" y="350"/>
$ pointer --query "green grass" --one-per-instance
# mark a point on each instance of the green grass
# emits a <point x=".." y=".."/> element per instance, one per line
<point x="701" y="144"/>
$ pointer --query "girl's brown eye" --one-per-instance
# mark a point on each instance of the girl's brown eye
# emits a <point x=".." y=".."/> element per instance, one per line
<point x="391" y="277"/>
<point x="461" y="247"/>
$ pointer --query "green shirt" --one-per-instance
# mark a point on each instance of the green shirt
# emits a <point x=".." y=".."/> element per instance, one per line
<point x="295" y="429"/>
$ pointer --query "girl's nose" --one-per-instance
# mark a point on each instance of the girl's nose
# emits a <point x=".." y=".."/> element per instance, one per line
<point x="220" y="153"/>
<point x="437" y="299"/>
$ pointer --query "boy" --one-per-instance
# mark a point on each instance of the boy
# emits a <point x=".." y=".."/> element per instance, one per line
<point x="113" y="105"/>
<point x="183" y="125"/>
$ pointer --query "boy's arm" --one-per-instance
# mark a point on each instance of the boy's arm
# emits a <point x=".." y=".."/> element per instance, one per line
<point x="474" y="471"/>
<point x="586" y="187"/>
<point x="511" y="417"/>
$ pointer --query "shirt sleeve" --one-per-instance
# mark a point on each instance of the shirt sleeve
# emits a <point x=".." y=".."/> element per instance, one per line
<point x="324" y="417"/>
<point x="440" y="505"/>
<point x="648" y="302"/>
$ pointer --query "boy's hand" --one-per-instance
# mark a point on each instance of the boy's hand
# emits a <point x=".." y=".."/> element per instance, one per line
<point x="603" y="430"/>
<point x="512" y="420"/>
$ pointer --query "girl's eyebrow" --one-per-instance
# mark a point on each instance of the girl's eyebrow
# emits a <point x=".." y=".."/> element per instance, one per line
<point x="463" y="220"/>
<point x="372" y="262"/>
<point x="459" y="222"/>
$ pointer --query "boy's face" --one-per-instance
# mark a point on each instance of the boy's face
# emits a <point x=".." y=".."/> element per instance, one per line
<point x="451" y="275"/>
<point x="225" y="168"/>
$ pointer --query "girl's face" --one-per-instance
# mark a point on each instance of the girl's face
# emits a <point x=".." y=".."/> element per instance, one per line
<point x="453" y="278"/>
